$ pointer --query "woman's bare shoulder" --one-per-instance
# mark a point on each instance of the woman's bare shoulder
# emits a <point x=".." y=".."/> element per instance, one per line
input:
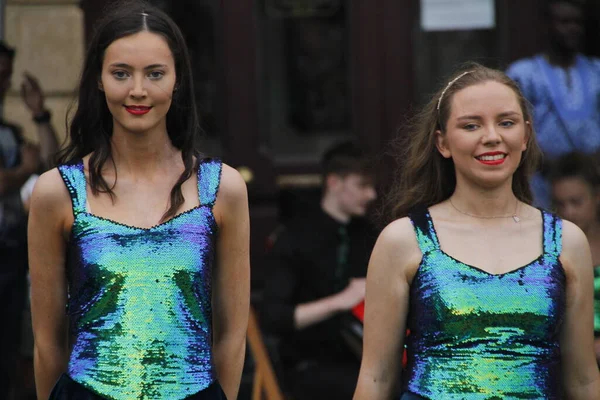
<point x="232" y="197"/>
<point x="51" y="201"/>
<point x="398" y="244"/>
<point x="50" y="188"/>
<point x="232" y="186"/>
<point x="399" y="232"/>
<point x="573" y="237"/>
<point x="576" y="254"/>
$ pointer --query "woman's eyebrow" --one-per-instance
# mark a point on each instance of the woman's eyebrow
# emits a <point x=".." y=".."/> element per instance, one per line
<point x="120" y="65"/>
<point x="478" y="118"/>
<point x="127" y="66"/>
<point x="152" y="66"/>
<point x="509" y="114"/>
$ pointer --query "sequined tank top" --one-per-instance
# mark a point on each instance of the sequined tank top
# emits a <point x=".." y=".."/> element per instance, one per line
<point x="476" y="335"/>
<point x="139" y="299"/>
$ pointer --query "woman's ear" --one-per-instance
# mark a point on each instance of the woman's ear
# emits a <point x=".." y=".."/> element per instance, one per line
<point x="442" y="145"/>
<point x="100" y="86"/>
<point x="528" y="133"/>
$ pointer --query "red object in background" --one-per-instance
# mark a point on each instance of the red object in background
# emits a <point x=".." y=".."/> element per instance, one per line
<point x="359" y="312"/>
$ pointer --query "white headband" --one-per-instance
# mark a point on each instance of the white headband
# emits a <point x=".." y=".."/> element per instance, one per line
<point x="452" y="82"/>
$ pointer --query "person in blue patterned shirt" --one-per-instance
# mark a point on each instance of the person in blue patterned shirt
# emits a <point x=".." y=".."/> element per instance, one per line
<point x="563" y="85"/>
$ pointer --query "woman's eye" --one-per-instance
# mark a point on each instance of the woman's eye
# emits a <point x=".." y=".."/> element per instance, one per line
<point x="155" y="75"/>
<point x="120" y="74"/>
<point x="507" y="124"/>
<point x="470" y="127"/>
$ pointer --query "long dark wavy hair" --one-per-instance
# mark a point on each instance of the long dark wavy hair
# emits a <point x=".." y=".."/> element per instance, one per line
<point x="426" y="178"/>
<point x="91" y="126"/>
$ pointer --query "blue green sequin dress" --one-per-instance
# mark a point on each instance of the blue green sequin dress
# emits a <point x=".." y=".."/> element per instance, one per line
<point x="139" y="300"/>
<point x="476" y="335"/>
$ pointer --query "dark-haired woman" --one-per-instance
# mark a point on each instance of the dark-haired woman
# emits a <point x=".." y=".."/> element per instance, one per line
<point x="576" y="195"/>
<point x="497" y="294"/>
<point x="140" y="238"/>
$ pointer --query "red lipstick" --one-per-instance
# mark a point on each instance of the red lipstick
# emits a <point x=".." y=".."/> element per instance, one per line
<point x="138" y="110"/>
<point x="491" y="158"/>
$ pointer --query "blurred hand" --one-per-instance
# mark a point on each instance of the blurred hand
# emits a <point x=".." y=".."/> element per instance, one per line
<point x="30" y="158"/>
<point x="32" y="94"/>
<point x="353" y="294"/>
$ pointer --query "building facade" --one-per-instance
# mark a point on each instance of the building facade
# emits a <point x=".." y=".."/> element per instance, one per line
<point x="49" y="38"/>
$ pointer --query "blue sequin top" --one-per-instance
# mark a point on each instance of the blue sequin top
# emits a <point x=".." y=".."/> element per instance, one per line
<point x="139" y="300"/>
<point x="476" y="335"/>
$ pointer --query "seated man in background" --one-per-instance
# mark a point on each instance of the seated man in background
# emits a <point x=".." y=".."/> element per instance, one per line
<point x="316" y="274"/>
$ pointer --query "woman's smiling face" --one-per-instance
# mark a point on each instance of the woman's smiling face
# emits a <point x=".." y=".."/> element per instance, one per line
<point x="485" y="135"/>
<point x="138" y="79"/>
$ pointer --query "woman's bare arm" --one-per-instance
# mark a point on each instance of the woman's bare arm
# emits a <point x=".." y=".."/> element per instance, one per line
<point x="395" y="258"/>
<point x="231" y="281"/>
<point x="49" y="213"/>
<point x="580" y="371"/>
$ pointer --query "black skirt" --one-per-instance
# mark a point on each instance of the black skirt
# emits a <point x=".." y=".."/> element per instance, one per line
<point x="67" y="389"/>
<point x="410" y="396"/>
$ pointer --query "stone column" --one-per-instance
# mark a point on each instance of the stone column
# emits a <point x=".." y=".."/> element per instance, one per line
<point x="49" y="38"/>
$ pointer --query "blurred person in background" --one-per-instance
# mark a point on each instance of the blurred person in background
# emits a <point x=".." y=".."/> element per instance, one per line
<point x="575" y="182"/>
<point x="563" y="85"/>
<point x="20" y="162"/>
<point x="316" y="275"/>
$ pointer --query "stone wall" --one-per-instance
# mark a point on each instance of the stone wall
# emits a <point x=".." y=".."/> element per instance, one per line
<point x="49" y="38"/>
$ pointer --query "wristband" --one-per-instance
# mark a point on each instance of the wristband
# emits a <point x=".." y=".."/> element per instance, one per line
<point x="42" y="118"/>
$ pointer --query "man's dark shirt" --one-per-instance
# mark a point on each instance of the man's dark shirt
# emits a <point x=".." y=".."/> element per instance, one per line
<point x="301" y="269"/>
